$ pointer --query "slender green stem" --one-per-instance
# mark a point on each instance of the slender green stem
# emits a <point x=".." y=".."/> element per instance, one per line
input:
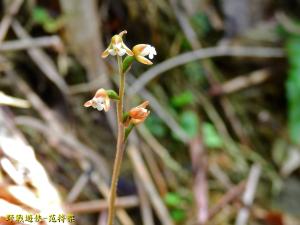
<point x="120" y="147"/>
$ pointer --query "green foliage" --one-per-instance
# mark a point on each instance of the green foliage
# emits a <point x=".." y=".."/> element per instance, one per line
<point x="189" y="122"/>
<point x="201" y="23"/>
<point x="183" y="99"/>
<point x="174" y="201"/>
<point x="178" y="215"/>
<point x="194" y="72"/>
<point x="293" y="88"/>
<point x="211" y="137"/>
<point x="42" y="17"/>
<point x="156" y="126"/>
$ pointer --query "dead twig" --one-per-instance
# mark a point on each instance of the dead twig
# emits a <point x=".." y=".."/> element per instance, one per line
<point x="100" y="205"/>
<point x="13" y="101"/>
<point x="185" y="25"/>
<point x="162" y="152"/>
<point x="42" y="60"/>
<point x="147" y="183"/>
<point x="258" y="52"/>
<point x="51" y="41"/>
<point x="242" y="82"/>
<point x="249" y="194"/>
<point x="8" y="17"/>
<point x="79" y="185"/>
<point x="232" y="194"/>
<point x="200" y="187"/>
<point x="145" y="207"/>
<point x="154" y="170"/>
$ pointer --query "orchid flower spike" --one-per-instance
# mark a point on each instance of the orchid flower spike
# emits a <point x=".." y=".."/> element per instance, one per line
<point x="142" y="50"/>
<point x="117" y="46"/>
<point x="139" y="113"/>
<point x="100" y="101"/>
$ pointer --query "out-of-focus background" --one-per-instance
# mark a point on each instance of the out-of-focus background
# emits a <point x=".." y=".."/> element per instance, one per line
<point x="221" y="145"/>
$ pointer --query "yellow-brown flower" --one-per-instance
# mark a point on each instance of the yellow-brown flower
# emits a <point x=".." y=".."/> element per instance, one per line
<point x="100" y="101"/>
<point x="139" y="113"/>
<point x="142" y="50"/>
<point x="117" y="46"/>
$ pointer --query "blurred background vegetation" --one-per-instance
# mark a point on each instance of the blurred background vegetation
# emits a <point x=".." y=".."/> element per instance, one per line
<point x="222" y="143"/>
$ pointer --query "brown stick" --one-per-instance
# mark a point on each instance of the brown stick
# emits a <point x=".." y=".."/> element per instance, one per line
<point x="229" y="197"/>
<point x="8" y="17"/>
<point x="199" y="164"/>
<point x="145" y="207"/>
<point x="99" y="205"/>
<point x="51" y="41"/>
<point x="144" y="176"/>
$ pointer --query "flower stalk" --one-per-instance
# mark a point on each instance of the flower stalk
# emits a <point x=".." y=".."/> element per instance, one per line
<point x="120" y="146"/>
<point x="126" y="120"/>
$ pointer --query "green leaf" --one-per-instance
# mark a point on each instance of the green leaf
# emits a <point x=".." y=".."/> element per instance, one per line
<point x="211" y="137"/>
<point x="293" y="88"/>
<point x="40" y="15"/>
<point x="173" y="199"/>
<point x="178" y="215"/>
<point x="183" y="99"/>
<point x="189" y="122"/>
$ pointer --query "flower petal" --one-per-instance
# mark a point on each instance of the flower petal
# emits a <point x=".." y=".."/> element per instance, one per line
<point x="128" y="51"/>
<point x="112" y="52"/>
<point x="88" y="103"/>
<point x="106" y="104"/>
<point x="100" y="93"/>
<point x="144" y="104"/>
<point x="121" y="52"/>
<point x="143" y="60"/>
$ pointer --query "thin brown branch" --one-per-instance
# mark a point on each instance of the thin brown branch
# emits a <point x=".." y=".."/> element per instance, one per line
<point x="99" y="205"/>
<point x="243" y="82"/>
<point x="147" y="183"/>
<point x="249" y="194"/>
<point x="8" y="17"/>
<point x="42" y="60"/>
<point x="51" y="41"/>
<point x="258" y="52"/>
<point x="233" y="194"/>
<point x="200" y="187"/>
<point x="145" y="207"/>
